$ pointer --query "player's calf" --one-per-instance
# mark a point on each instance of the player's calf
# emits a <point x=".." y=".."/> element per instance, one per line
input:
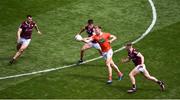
<point x="16" y="55"/>
<point x="18" y="47"/>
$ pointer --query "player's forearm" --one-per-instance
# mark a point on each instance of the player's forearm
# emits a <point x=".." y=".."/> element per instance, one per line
<point x="142" y="60"/>
<point x="86" y="40"/>
<point x="82" y="30"/>
<point x="19" y="33"/>
<point x="37" y="28"/>
<point x="113" y="38"/>
<point x="125" y="60"/>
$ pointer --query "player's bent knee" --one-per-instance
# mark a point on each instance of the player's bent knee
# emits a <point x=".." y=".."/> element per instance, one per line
<point x="130" y="74"/>
<point x="83" y="49"/>
<point x="21" y="50"/>
<point x="112" y="65"/>
<point x="108" y="63"/>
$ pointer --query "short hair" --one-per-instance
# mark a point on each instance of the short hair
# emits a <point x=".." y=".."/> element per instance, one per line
<point x="90" y="21"/>
<point x="98" y="27"/>
<point x="129" y="44"/>
<point x="28" y="16"/>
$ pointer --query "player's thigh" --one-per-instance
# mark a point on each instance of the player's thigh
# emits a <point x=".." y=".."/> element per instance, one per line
<point x="109" y="56"/>
<point x="23" y="47"/>
<point x="109" y="60"/>
<point x="134" y="72"/>
<point x="25" y="44"/>
<point x="146" y="73"/>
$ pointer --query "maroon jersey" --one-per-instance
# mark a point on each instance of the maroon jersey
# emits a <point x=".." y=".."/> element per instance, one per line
<point x="27" y="29"/>
<point x="133" y="56"/>
<point x="89" y="31"/>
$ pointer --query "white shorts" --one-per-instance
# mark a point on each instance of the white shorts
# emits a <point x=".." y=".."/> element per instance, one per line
<point x="24" y="41"/>
<point x="140" y="68"/>
<point x="107" y="54"/>
<point x="94" y="45"/>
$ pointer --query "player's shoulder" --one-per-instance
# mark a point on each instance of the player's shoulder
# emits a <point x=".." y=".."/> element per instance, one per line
<point x="135" y="51"/>
<point x="23" y="22"/>
<point x="106" y="33"/>
<point x="34" y="22"/>
<point x="85" y="26"/>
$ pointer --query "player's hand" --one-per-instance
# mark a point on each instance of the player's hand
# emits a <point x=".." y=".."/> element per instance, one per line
<point x="39" y="32"/>
<point x="110" y="41"/>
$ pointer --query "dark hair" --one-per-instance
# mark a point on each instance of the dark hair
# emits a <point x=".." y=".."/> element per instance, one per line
<point x="90" y="21"/>
<point x="129" y="44"/>
<point x="28" y="16"/>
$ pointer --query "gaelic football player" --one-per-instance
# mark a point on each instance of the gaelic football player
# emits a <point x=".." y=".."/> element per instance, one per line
<point x="104" y="40"/>
<point x="138" y="60"/>
<point x="89" y="28"/>
<point x="24" y="36"/>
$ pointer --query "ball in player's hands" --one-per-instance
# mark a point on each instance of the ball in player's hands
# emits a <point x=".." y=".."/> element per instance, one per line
<point x="78" y="37"/>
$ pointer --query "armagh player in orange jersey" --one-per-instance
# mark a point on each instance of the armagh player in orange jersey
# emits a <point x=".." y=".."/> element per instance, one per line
<point x="104" y="40"/>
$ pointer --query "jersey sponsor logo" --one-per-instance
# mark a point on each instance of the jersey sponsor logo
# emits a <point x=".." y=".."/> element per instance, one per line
<point x="102" y="40"/>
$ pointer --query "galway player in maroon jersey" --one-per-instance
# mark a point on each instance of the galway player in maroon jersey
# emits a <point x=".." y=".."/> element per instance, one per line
<point x="24" y="36"/>
<point x="138" y="60"/>
<point x="89" y="28"/>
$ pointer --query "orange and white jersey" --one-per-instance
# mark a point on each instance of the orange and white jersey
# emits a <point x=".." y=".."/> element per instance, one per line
<point x="103" y="41"/>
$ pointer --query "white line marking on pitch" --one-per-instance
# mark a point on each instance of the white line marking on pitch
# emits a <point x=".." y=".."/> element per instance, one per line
<point x="67" y="66"/>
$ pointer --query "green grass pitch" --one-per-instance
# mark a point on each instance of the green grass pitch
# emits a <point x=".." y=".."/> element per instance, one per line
<point x="60" y="20"/>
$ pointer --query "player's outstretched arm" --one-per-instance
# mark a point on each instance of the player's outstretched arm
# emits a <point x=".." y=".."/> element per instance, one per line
<point x="86" y="40"/>
<point x="18" y="34"/>
<point x="125" y="60"/>
<point x="113" y="38"/>
<point x="81" y="31"/>
<point x="37" y="29"/>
